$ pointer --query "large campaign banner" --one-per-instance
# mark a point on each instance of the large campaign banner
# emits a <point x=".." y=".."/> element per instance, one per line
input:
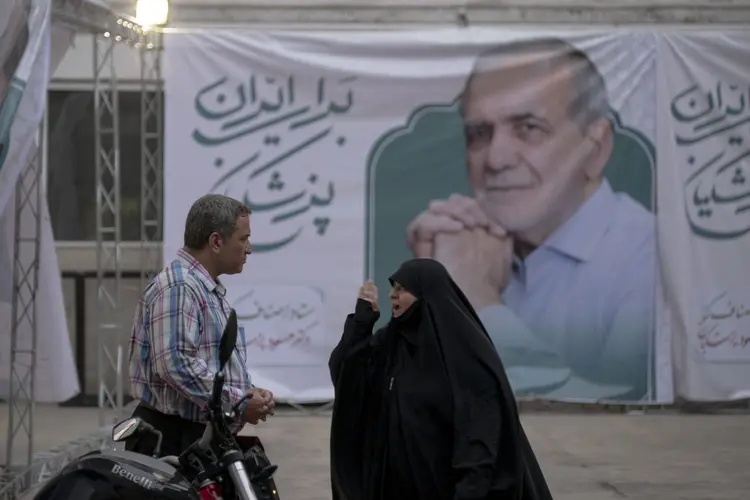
<point x="25" y="30"/>
<point x="704" y="204"/>
<point x="524" y="161"/>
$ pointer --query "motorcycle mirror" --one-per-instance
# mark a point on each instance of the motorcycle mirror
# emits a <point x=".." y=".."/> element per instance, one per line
<point x="228" y="340"/>
<point x="125" y="429"/>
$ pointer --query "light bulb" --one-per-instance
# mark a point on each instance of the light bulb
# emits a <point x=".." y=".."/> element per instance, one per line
<point x="151" y="12"/>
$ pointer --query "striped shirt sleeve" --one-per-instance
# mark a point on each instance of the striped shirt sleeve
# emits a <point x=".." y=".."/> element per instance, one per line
<point x="174" y="332"/>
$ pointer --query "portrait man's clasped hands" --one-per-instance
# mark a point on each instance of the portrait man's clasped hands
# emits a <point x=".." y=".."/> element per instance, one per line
<point x="476" y="251"/>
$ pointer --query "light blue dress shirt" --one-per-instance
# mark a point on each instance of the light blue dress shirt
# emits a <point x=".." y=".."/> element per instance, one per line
<point x="577" y="318"/>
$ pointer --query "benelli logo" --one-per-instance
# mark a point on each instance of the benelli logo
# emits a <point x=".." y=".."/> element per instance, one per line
<point x="140" y="480"/>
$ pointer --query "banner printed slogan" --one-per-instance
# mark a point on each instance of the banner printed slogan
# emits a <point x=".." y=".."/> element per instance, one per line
<point x="281" y="122"/>
<point x="709" y="144"/>
<point x="277" y="139"/>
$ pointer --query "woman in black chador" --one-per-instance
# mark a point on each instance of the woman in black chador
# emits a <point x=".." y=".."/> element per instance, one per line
<point x="423" y="408"/>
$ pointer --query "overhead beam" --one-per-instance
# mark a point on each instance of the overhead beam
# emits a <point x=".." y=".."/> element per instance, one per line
<point x="450" y="12"/>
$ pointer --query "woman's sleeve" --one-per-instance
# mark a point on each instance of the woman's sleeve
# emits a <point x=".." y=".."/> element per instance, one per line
<point x="356" y="338"/>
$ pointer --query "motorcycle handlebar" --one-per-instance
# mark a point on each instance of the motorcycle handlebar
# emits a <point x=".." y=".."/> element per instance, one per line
<point x="206" y="438"/>
<point x="159" y="436"/>
<point x="236" y="407"/>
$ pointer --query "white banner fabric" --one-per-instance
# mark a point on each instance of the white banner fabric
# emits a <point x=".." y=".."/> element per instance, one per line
<point x="339" y="141"/>
<point x="704" y="209"/>
<point x="25" y="63"/>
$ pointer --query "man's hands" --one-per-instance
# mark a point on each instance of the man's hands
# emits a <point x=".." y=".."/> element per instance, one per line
<point x="259" y="406"/>
<point x="369" y="292"/>
<point x="477" y="252"/>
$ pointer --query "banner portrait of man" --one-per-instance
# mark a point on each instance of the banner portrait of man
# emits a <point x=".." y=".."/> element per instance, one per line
<point x="539" y="201"/>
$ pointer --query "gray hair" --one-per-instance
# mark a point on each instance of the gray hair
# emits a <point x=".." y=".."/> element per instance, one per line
<point x="590" y="102"/>
<point x="212" y="213"/>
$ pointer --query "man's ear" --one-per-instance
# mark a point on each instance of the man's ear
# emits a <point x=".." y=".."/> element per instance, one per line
<point x="601" y="137"/>
<point x="215" y="242"/>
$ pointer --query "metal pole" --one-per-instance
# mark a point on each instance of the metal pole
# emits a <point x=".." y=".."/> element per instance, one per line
<point x="107" y="145"/>
<point x="38" y="192"/>
<point x="27" y="236"/>
<point x="45" y="153"/>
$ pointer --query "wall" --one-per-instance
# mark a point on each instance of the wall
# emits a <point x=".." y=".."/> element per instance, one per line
<point x="76" y="71"/>
<point x="81" y="258"/>
<point x="77" y="66"/>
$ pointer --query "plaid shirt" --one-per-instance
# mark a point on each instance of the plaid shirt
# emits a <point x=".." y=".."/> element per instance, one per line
<point x="174" y="345"/>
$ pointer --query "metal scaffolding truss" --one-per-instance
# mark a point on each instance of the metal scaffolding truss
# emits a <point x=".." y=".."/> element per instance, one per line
<point x="107" y="146"/>
<point x="110" y="357"/>
<point x="109" y="31"/>
<point x="28" y="195"/>
<point x="152" y="176"/>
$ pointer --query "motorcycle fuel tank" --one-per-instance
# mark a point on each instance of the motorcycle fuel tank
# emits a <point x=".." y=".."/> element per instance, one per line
<point x="118" y="475"/>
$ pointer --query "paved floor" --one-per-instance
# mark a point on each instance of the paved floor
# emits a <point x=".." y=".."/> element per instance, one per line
<point x="584" y="456"/>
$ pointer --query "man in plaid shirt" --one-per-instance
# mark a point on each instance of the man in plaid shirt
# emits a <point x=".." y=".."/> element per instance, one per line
<point x="174" y="345"/>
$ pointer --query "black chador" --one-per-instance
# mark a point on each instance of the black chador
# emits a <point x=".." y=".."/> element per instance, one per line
<point x="423" y="407"/>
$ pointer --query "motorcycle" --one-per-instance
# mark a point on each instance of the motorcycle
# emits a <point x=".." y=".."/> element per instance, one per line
<point x="215" y="467"/>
